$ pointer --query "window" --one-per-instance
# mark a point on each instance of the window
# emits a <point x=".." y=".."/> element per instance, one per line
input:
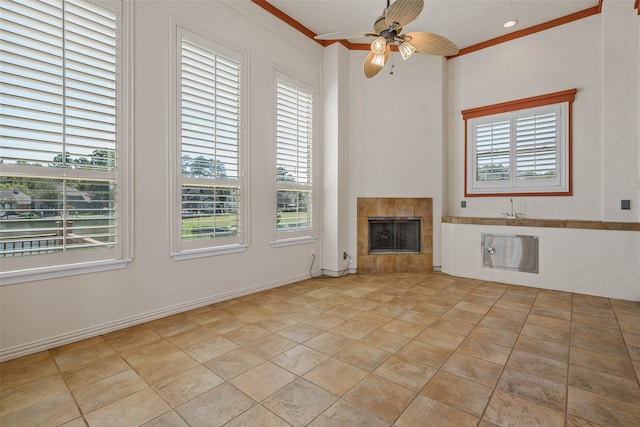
<point x="520" y="147"/>
<point x="293" y="159"/>
<point x="210" y="209"/>
<point x="63" y="138"/>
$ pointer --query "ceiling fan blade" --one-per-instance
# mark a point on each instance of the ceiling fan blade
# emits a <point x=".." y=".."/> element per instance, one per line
<point x="345" y="35"/>
<point x="403" y="11"/>
<point x="433" y="44"/>
<point x="370" y="67"/>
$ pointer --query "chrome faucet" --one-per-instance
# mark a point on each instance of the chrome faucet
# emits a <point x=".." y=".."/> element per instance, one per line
<point x="512" y="214"/>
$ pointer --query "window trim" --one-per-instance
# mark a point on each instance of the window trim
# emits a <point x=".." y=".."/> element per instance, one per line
<point x="177" y="251"/>
<point x="281" y="239"/>
<point x="119" y="257"/>
<point x="563" y="97"/>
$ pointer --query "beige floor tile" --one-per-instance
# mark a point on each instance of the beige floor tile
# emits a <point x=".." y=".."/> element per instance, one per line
<point x="172" y="325"/>
<point x="612" y="386"/>
<point x="533" y="388"/>
<point x="98" y="394"/>
<point x="485" y="351"/>
<point x="54" y="411"/>
<point x="336" y="376"/>
<point x="363" y="356"/>
<point x="324" y="321"/>
<point x="472" y="368"/>
<point x="549" y="349"/>
<point x="551" y="312"/>
<point x="246" y="334"/>
<point x="23" y="396"/>
<point x="192" y="337"/>
<point x="419" y="318"/>
<point x="353" y="329"/>
<point x="403" y="327"/>
<point x="602" y="410"/>
<point x="500" y="324"/>
<point x="329" y="343"/>
<point x="74" y="358"/>
<point x="596" y="331"/>
<point x="164" y="368"/>
<point x="424" y="353"/>
<point x="234" y="363"/>
<point x="386" y="341"/>
<point x="258" y="416"/>
<point x="454" y="326"/>
<point x="263" y="380"/>
<point x="215" y="407"/>
<point x="210" y="349"/>
<point x="95" y="371"/>
<point x="168" y="419"/>
<point x="270" y="346"/>
<point x="461" y="393"/>
<point x="226" y="325"/>
<point x="17" y="375"/>
<point x="148" y="352"/>
<point x="300" y="332"/>
<point x="381" y="397"/>
<point x="344" y="414"/>
<point x="602" y="362"/>
<point x="405" y="372"/>
<point x="187" y="385"/>
<point x="300" y="402"/>
<point x="505" y="409"/>
<point x="136" y="409"/>
<point x="545" y="367"/>
<point x="556" y="335"/>
<point x="506" y="314"/>
<point x="130" y="338"/>
<point x="299" y="359"/>
<point x="440" y="338"/>
<point x="438" y="415"/>
<point x="503" y="338"/>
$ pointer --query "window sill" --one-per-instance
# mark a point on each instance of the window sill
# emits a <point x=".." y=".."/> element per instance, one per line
<point x="292" y="241"/>
<point x="43" y="273"/>
<point x="206" y="252"/>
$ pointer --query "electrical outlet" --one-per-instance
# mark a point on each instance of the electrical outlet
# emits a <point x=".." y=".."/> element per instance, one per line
<point x="344" y="255"/>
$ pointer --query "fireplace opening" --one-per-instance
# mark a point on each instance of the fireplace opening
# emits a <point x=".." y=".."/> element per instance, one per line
<point x="394" y="235"/>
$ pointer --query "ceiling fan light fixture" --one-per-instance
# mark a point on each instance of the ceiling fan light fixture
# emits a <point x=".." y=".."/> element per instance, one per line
<point x="379" y="45"/>
<point x="406" y="50"/>
<point x="378" y="59"/>
<point x="510" y="23"/>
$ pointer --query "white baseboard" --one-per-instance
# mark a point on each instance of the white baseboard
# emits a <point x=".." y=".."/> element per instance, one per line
<point x="70" y="337"/>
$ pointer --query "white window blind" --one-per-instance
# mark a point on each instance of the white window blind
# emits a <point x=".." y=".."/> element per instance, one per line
<point x="210" y="135"/>
<point x="294" y="148"/>
<point x="523" y="151"/>
<point x="59" y="134"/>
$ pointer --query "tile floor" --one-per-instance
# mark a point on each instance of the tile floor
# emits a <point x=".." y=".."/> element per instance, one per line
<point x="363" y="350"/>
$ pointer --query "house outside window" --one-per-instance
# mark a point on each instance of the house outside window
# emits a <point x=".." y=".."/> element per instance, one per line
<point x="208" y="193"/>
<point x="520" y="147"/>
<point x="294" y="172"/>
<point x="64" y="148"/>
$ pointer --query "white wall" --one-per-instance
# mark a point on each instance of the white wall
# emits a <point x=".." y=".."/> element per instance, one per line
<point x="47" y="313"/>
<point x="598" y="56"/>
<point x="397" y="134"/>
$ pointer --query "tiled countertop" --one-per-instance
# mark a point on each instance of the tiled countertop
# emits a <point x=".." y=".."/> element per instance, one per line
<point x="552" y="223"/>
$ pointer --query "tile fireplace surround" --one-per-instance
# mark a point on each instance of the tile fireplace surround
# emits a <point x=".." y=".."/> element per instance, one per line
<point x="395" y="207"/>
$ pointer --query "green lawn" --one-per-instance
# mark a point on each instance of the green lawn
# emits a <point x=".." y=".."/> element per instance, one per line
<point x="231" y="220"/>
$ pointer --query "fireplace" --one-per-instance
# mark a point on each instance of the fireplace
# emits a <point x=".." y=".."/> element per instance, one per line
<point x="405" y="254"/>
<point x="389" y="235"/>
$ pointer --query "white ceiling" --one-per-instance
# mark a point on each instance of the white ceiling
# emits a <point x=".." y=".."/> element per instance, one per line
<point x="464" y="22"/>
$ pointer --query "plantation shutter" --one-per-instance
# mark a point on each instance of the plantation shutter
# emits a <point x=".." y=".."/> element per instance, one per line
<point x="537" y="144"/>
<point x="493" y="151"/>
<point x="294" y="179"/>
<point x="59" y="99"/>
<point x="210" y="111"/>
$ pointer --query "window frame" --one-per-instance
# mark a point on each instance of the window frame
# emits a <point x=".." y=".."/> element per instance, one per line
<point x="561" y="185"/>
<point x="286" y="238"/>
<point x="63" y="264"/>
<point x="179" y="249"/>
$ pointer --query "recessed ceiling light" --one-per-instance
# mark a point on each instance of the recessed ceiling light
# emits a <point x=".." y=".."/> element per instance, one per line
<point x="510" y="23"/>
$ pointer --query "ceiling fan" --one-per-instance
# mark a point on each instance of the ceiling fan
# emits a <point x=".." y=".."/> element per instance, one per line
<point x="387" y="31"/>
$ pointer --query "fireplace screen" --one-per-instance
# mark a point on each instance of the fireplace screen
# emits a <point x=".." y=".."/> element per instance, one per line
<point x="394" y="235"/>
